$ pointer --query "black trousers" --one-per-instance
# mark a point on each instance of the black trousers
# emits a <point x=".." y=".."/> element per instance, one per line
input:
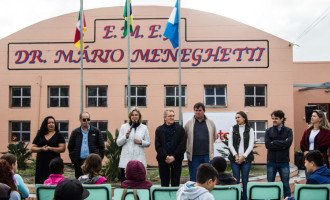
<point x="77" y="168"/>
<point x="170" y="172"/>
<point x="122" y="174"/>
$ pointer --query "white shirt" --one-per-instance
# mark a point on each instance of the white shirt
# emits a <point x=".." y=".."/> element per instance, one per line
<point x="312" y="139"/>
<point x="241" y="144"/>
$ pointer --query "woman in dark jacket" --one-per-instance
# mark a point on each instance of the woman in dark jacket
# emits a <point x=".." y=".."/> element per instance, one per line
<point x="241" y="142"/>
<point x="48" y="144"/>
<point x="317" y="136"/>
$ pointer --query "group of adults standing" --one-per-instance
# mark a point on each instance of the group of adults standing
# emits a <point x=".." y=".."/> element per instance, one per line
<point x="172" y="140"/>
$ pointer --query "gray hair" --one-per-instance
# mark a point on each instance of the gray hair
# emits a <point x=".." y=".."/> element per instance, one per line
<point x="168" y="110"/>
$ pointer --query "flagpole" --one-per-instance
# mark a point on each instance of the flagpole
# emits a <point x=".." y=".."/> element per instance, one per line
<point x="180" y="88"/>
<point x="128" y="15"/>
<point x="81" y="58"/>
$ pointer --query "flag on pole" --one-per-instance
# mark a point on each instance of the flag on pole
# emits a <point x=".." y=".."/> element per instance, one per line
<point x="77" y="36"/>
<point x="125" y="17"/>
<point x="172" y="27"/>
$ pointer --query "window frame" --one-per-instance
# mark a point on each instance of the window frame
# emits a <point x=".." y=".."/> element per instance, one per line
<point x="59" y="97"/>
<point x="97" y="96"/>
<point x="215" y="95"/>
<point x="59" y="123"/>
<point x="20" y="132"/>
<point x="136" y="96"/>
<point x="176" y="95"/>
<point x="97" y="126"/>
<point x="254" y="95"/>
<point x="21" y="97"/>
<point x="256" y="131"/>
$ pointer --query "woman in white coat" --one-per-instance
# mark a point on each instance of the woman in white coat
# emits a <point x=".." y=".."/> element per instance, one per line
<point x="134" y="137"/>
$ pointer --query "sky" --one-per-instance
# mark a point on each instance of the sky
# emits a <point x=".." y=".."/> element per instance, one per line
<point x="291" y="20"/>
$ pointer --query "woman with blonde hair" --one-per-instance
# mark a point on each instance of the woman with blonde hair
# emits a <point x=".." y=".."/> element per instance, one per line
<point x="133" y="137"/>
<point x="91" y="169"/>
<point x="317" y="136"/>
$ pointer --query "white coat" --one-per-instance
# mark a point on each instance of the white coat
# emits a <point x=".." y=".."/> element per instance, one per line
<point x="130" y="150"/>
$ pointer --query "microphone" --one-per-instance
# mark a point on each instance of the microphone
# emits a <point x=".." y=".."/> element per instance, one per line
<point x="133" y="124"/>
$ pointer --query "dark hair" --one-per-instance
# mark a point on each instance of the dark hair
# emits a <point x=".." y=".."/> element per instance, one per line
<point x="243" y="114"/>
<point x="92" y="165"/>
<point x="80" y="115"/>
<point x="198" y="105"/>
<point x="10" y="158"/>
<point x="219" y="163"/>
<point x="6" y="175"/>
<point x="56" y="166"/>
<point x="43" y="128"/>
<point x="280" y="114"/>
<point x="205" y="172"/>
<point x="316" y="157"/>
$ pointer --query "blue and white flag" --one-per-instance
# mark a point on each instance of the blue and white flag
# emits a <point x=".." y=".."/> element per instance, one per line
<point x="172" y="27"/>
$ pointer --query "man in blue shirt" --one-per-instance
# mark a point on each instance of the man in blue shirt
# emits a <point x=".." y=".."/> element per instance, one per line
<point x="84" y="140"/>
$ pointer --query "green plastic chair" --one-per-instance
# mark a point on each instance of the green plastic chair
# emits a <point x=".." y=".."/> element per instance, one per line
<point x="262" y="190"/>
<point x="308" y="192"/>
<point x="142" y="194"/>
<point x="45" y="192"/>
<point x="227" y="192"/>
<point x="163" y="193"/>
<point x="102" y="191"/>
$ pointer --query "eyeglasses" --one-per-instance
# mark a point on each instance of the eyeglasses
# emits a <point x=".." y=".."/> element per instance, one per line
<point x="170" y="115"/>
<point x="86" y="119"/>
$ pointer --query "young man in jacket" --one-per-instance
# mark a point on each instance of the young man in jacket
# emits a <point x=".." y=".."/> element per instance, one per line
<point x="84" y="140"/>
<point x="278" y="140"/>
<point x="170" y="144"/>
<point x="319" y="173"/>
<point x="201" y="134"/>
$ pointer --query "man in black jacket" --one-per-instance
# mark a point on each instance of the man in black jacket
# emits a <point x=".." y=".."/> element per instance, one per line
<point x="278" y="140"/>
<point x="170" y="144"/>
<point x="83" y="141"/>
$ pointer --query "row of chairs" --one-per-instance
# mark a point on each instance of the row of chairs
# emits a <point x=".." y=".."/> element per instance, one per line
<point x="256" y="190"/>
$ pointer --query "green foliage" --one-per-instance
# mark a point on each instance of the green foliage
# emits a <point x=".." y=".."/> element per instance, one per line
<point x="21" y="151"/>
<point x="112" y="152"/>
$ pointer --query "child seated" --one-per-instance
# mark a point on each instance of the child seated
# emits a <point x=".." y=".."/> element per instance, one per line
<point x="200" y="190"/>
<point x="220" y="164"/>
<point x="22" y="188"/>
<point x="136" y="176"/>
<point x="56" y="168"/>
<point x="91" y="169"/>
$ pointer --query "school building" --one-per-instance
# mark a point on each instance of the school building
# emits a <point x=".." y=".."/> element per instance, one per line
<point x="227" y="65"/>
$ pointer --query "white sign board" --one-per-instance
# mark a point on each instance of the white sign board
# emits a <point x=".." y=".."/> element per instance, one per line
<point x="223" y="121"/>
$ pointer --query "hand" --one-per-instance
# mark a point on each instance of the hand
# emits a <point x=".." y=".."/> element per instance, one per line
<point x="236" y="158"/>
<point x="296" y="182"/>
<point x="44" y="148"/>
<point x="240" y="160"/>
<point x="50" y="148"/>
<point x="169" y="159"/>
<point x="127" y="133"/>
<point x="137" y="141"/>
<point x="287" y="198"/>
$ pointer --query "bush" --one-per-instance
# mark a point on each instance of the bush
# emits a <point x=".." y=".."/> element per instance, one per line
<point x="22" y="153"/>
<point x="112" y="152"/>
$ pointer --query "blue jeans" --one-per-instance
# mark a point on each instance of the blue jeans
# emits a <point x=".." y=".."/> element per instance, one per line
<point x="194" y="164"/>
<point x="284" y="170"/>
<point x="245" y="169"/>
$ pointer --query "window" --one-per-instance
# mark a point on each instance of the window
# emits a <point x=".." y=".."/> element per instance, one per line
<point x="20" y="96"/>
<point x="63" y="127"/>
<point x="97" y="96"/>
<point x="259" y="128"/>
<point x="102" y="126"/>
<point x="172" y="95"/>
<point x="19" y="131"/>
<point x="138" y="96"/>
<point x="215" y="95"/>
<point x="58" y="96"/>
<point x="324" y="107"/>
<point x="255" y="95"/>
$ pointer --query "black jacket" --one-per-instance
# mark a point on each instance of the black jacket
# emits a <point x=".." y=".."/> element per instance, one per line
<point x="178" y="142"/>
<point x="278" y="144"/>
<point x="226" y="179"/>
<point x="95" y="143"/>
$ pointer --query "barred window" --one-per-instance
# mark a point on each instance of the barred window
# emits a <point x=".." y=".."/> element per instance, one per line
<point x="102" y="126"/>
<point x="259" y="128"/>
<point x="255" y="95"/>
<point x="63" y="127"/>
<point x="20" y="96"/>
<point x="97" y="96"/>
<point x="138" y="96"/>
<point x="215" y="95"/>
<point x="19" y="131"/>
<point x="58" y="96"/>
<point x="172" y="96"/>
